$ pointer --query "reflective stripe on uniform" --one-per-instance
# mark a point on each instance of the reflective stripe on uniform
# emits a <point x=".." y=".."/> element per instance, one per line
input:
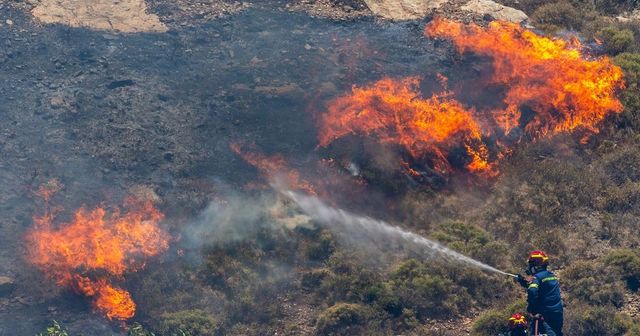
<point x="549" y="279"/>
<point x="533" y="285"/>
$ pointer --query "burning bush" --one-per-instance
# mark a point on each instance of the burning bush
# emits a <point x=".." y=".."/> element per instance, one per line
<point x="393" y="112"/>
<point x="97" y="247"/>
<point x="547" y="87"/>
<point x="564" y="89"/>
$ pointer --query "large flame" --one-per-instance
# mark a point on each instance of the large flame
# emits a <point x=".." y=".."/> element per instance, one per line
<point x="394" y="112"/>
<point x="96" y="247"/>
<point x="562" y="89"/>
<point x="565" y="89"/>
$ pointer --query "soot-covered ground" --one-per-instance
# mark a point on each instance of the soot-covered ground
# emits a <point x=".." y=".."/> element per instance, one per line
<point x="105" y="112"/>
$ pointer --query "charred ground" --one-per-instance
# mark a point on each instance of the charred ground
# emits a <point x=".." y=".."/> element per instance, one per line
<point x="108" y="113"/>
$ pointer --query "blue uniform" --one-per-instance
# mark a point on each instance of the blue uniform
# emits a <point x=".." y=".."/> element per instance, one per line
<point x="543" y="297"/>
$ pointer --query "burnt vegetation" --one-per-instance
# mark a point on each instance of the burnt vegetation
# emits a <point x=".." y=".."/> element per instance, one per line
<point x="579" y="202"/>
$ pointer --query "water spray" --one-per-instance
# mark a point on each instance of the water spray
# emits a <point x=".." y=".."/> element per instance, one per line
<point x="357" y="226"/>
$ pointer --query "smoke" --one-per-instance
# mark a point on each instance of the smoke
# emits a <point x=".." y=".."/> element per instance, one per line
<point x="236" y="217"/>
<point x="231" y="219"/>
<point x="378" y="232"/>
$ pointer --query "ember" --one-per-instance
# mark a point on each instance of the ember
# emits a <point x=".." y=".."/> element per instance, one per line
<point x="272" y="167"/>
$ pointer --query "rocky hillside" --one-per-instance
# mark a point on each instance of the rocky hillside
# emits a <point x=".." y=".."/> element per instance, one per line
<point x="199" y="106"/>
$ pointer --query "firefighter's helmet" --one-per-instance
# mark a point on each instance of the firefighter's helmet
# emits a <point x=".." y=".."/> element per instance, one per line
<point x="517" y="321"/>
<point x="538" y="259"/>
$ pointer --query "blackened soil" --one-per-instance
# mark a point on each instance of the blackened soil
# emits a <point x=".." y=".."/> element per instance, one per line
<point x="104" y="112"/>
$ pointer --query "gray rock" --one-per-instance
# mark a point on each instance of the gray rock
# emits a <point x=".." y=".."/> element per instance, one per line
<point x="7" y="285"/>
<point x="495" y="10"/>
<point x="416" y="9"/>
<point x="403" y="9"/>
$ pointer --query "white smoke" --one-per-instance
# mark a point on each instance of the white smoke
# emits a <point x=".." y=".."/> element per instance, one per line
<point x="380" y="233"/>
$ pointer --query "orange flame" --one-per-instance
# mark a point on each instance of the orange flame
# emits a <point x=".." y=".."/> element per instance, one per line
<point x="552" y="77"/>
<point x="563" y="89"/>
<point x="96" y="247"/>
<point x="274" y="166"/>
<point x="394" y="112"/>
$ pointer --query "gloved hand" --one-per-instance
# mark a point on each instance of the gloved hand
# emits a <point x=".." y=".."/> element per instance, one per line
<point x="523" y="281"/>
<point x="536" y="317"/>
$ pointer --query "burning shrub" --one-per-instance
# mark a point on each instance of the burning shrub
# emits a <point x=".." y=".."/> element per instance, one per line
<point x="393" y="111"/>
<point x="342" y="319"/>
<point x="547" y="86"/>
<point x="95" y="249"/>
<point x="551" y="77"/>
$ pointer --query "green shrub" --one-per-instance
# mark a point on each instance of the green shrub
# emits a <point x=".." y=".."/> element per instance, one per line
<point x="530" y="6"/>
<point x="426" y="293"/>
<point x="322" y="247"/>
<point x="54" y="330"/>
<point x="622" y="198"/>
<point x="592" y="291"/>
<point x="461" y="236"/>
<point x="616" y="40"/>
<point x="555" y="16"/>
<point x="627" y="263"/>
<point x="193" y="322"/>
<point x="591" y="283"/>
<point x="314" y="278"/>
<point x="136" y="329"/>
<point x="630" y="97"/>
<point x="622" y="162"/>
<point x="616" y="6"/>
<point x="342" y="319"/>
<point x="495" y="321"/>
<point x="349" y="281"/>
<point x="384" y="299"/>
<point x="596" y="321"/>
<point x="408" y="319"/>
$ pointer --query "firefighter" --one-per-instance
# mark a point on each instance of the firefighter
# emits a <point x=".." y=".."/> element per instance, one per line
<point x="517" y="325"/>
<point x="543" y="295"/>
